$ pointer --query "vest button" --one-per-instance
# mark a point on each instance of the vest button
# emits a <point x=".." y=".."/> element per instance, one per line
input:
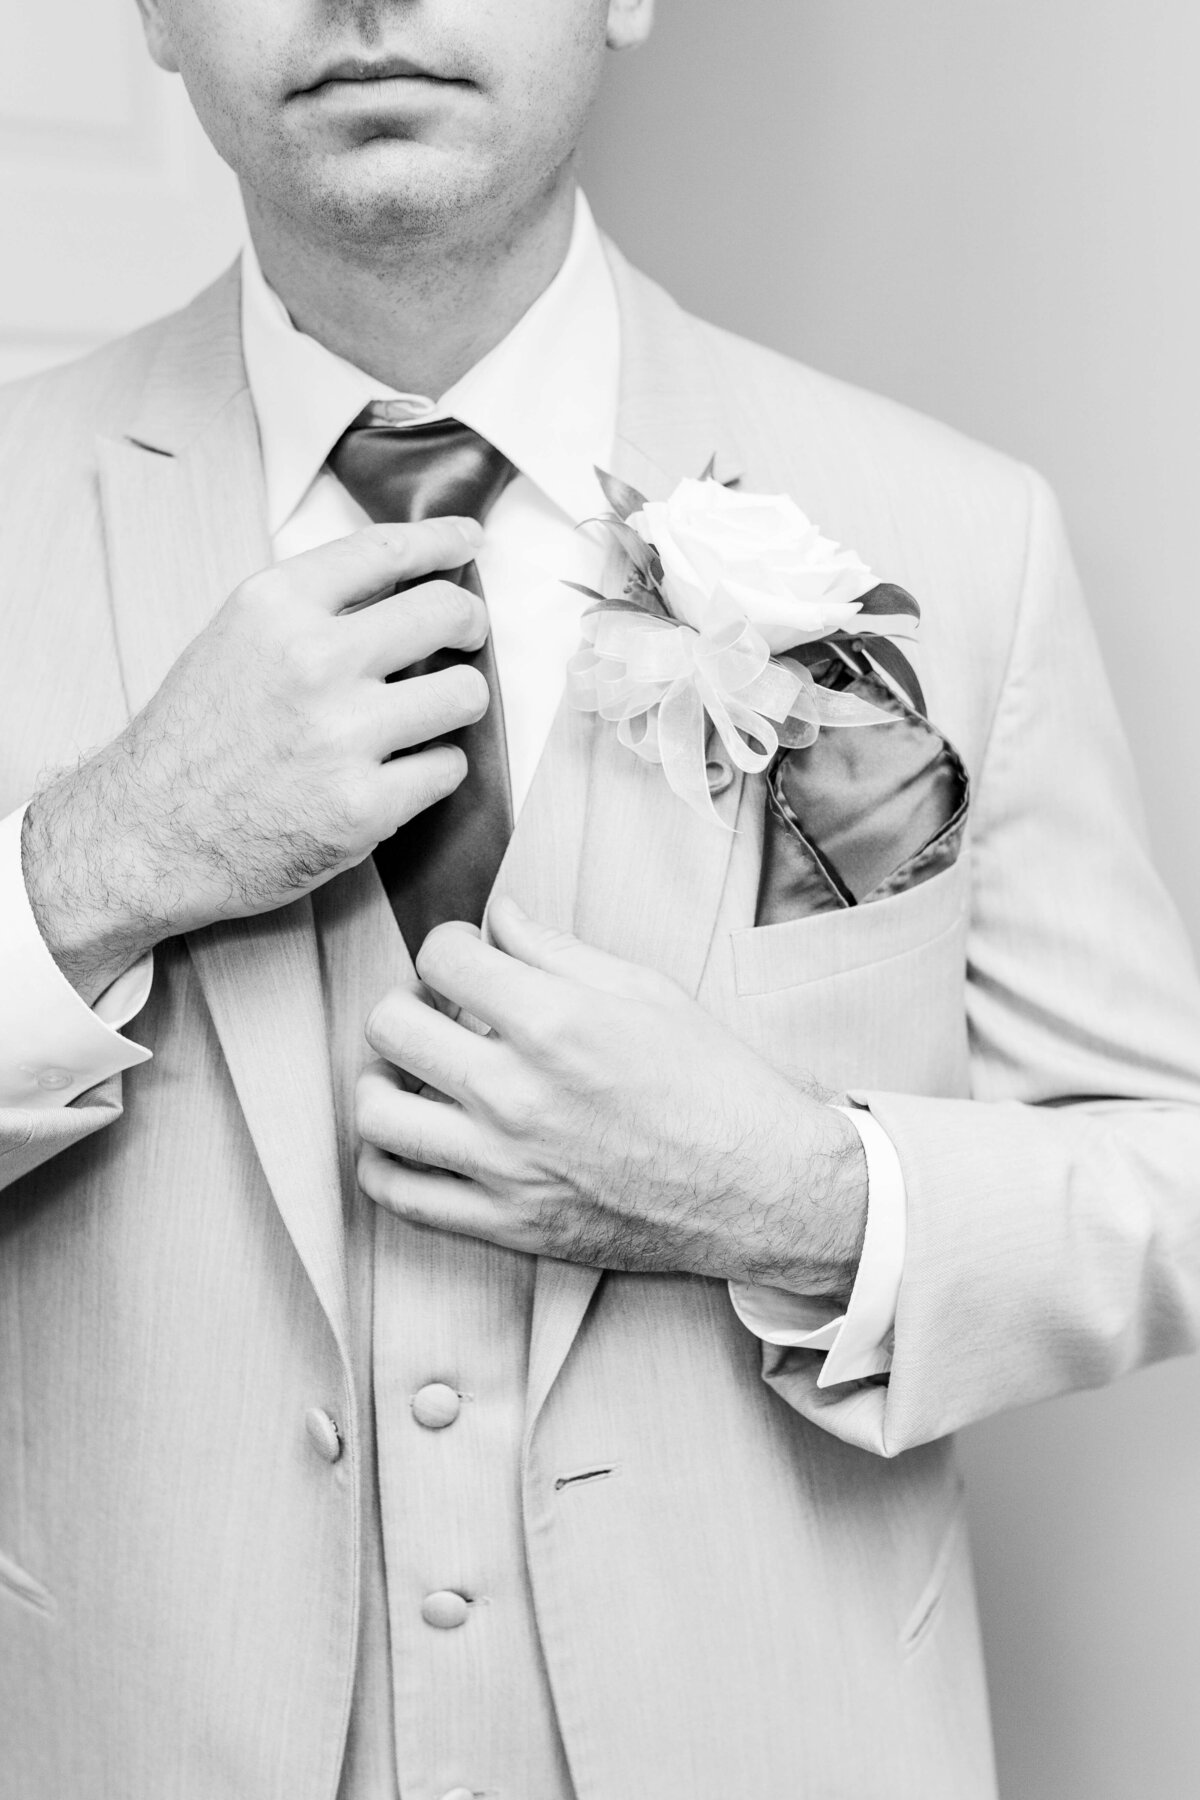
<point x="436" y="1406"/>
<point x="323" y="1434"/>
<point x="718" y="774"/>
<point x="445" y="1609"/>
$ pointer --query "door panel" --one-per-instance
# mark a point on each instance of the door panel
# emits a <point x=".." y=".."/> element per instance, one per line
<point x="113" y="206"/>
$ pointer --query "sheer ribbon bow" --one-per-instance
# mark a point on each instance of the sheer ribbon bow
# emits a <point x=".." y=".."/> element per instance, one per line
<point x="661" y="682"/>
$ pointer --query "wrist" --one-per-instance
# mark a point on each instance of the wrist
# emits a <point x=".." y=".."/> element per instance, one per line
<point x="90" y="926"/>
<point x="828" y="1200"/>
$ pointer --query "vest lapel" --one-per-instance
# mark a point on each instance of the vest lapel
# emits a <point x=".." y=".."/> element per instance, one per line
<point x="185" y="523"/>
<point x="603" y="848"/>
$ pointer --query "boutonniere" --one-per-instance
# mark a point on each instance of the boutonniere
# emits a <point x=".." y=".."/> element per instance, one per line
<point x="717" y="587"/>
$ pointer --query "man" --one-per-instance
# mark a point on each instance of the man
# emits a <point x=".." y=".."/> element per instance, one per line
<point x="379" y="1416"/>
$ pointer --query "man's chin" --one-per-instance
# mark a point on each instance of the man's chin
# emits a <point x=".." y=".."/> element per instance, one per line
<point x="390" y="185"/>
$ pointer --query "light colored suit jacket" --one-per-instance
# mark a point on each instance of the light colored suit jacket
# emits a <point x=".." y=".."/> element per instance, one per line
<point x="771" y="1593"/>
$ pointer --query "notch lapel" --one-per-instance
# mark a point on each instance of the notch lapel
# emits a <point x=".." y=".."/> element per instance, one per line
<point x="184" y="515"/>
<point x="603" y="847"/>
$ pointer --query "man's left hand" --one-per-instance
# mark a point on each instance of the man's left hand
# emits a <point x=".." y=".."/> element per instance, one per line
<point x="605" y="1119"/>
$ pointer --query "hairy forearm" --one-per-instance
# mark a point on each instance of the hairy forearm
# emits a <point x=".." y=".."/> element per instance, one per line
<point x="822" y="1241"/>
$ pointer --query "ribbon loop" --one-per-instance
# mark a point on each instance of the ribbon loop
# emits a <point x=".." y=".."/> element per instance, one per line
<point x="661" y="683"/>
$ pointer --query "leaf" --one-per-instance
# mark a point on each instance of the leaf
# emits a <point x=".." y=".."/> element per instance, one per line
<point x="623" y="499"/>
<point x="641" y="554"/>
<point x="888" y="657"/>
<point x="632" y="606"/>
<point x="652" y="600"/>
<point x="589" y="593"/>
<point x="654" y="580"/>
<point x="709" y="473"/>
<point x="887" y="598"/>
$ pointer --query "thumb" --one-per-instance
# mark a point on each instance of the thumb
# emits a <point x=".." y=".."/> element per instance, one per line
<point x="560" y="953"/>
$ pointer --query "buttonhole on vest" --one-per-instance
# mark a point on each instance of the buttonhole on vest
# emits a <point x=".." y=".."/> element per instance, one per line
<point x="155" y="449"/>
<point x="582" y="1475"/>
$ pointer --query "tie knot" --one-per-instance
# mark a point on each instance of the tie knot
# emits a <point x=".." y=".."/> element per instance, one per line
<point x="425" y="470"/>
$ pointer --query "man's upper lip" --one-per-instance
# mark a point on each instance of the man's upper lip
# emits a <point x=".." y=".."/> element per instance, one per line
<point x="361" y="68"/>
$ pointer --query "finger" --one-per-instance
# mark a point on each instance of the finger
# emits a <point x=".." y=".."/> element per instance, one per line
<point x="428" y="997"/>
<point x="518" y="1002"/>
<point x="427" y="1045"/>
<point x="421" y="707"/>
<point x="420" y="1130"/>
<point x="448" y="1006"/>
<point x="459" y="1014"/>
<point x="560" y="953"/>
<point x="414" y="782"/>
<point x="369" y="563"/>
<point x="402" y="629"/>
<point x="440" y="1202"/>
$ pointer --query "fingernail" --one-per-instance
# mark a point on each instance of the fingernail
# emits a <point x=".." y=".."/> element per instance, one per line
<point x="510" y="906"/>
<point x="471" y="529"/>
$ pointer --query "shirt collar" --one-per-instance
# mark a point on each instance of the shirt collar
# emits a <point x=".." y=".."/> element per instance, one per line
<point x="546" y="395"/>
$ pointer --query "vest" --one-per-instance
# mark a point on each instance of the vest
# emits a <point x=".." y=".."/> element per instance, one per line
<point x="451" y="1693"/>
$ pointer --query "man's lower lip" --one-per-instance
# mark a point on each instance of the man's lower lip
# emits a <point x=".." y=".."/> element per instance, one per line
<point x="379" y="87"/>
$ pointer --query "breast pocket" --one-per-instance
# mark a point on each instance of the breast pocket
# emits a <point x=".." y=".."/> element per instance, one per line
<point x="870" y="996"/>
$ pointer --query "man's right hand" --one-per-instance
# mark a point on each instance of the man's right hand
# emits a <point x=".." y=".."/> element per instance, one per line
<point x="261" y="767"/>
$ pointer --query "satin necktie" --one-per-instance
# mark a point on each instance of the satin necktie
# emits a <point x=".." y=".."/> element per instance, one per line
<point x="442" y="863"/>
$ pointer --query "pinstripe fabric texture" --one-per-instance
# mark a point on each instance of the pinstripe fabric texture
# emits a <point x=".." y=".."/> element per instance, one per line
<point x="756" y="1567"/>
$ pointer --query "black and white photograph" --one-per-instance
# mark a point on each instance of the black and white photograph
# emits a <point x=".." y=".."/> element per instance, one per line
<point x="599" y="885"/>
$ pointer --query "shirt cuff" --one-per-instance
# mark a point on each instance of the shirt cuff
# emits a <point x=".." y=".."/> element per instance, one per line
<point x="53" y="1046"/>
<point x="858" y="1340"/>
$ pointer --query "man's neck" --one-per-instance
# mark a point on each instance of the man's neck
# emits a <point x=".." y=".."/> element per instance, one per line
<point x="417" y="312"/>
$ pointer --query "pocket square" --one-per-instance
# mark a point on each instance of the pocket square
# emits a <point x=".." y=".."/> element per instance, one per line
<point x="860" y="815"/>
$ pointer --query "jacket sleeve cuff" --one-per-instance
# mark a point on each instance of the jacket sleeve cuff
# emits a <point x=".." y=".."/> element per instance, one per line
<point x="53" y="1046"/>
<point x="858" y="1339"/>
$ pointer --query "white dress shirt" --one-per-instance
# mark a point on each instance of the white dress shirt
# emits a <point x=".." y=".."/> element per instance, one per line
<point x="546" y="396"/>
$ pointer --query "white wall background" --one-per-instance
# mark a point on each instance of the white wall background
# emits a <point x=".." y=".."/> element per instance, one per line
<point x="989" y="209"/>
<point x="113" y="207"/>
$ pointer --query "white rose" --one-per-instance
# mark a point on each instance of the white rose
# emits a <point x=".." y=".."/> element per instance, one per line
<point x="727" y="556"/>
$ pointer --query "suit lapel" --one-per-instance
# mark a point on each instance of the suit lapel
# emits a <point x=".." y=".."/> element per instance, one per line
<point x="184" y="517"/>
<point x="603" y="848"/>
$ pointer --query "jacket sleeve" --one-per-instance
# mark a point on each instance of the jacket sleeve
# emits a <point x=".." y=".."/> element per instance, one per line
<point x="31" y="1136"/>
<point x="1053" y="1234"/>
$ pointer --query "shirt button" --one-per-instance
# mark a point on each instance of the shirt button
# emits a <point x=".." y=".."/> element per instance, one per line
<point x="436" y="1406"/>
<point x="459" y="1794"/>
<point x="55" y="1078"/>
<point x="445" y="1609"/>
<point x="323" y="1434"/>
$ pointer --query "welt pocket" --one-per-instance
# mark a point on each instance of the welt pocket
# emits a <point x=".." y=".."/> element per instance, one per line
<point x="21" y="1585"/>
<point x="815" y="947"/>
